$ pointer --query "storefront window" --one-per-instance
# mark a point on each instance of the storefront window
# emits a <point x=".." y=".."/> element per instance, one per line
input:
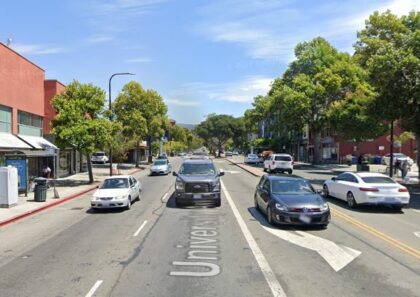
<point x="5" y="119"/>
<point x="29" y="124"/>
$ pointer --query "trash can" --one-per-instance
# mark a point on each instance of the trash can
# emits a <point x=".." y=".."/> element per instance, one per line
<point x="40" y="191"/>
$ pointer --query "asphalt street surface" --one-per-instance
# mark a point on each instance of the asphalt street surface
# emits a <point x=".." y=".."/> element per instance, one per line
<point x="157" y="249"/>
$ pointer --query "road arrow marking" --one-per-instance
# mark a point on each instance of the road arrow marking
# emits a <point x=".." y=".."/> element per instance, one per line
<point x="336" y="256"/>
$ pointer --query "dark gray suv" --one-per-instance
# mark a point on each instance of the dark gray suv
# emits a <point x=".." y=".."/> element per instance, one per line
<point x="197" y="183"/>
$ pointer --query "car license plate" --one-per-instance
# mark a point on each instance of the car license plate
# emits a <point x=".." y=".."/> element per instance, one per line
<point x="304" y="218"/>
<point x="390" y="199"/>
<point x="197" y="196"/>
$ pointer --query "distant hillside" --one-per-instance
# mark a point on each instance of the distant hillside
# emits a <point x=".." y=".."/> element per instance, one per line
<point x="188" y="126"/>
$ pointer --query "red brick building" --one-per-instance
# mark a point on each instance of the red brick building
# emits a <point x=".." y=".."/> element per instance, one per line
<point x="26" y="113"/>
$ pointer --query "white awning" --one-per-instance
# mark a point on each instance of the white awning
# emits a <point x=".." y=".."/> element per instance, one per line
<point x="10" y="141"/>
<point x="37" y="142"/>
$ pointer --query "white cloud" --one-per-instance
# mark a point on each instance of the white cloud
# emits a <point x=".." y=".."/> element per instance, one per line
<point x="138" y="60"/>
<point x="271" y="29"/>
<point x="99" y="39"/>
<point x="242" y="91"/>
<point x="179" y="102"/>
<point x="36" y="49"/>
<point x="126" y="7"/>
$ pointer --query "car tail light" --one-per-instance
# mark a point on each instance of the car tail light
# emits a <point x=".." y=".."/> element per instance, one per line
<point x="403" y="190"/>
<point x="369" y="189"/>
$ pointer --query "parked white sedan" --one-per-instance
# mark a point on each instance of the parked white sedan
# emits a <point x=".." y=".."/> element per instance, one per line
<point x="116" y="191"/>
<point x="251" y="159"/>
<point x="367" y="188"/>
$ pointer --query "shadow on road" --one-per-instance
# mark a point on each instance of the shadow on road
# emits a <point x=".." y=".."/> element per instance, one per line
<point x="364" y="208"/>
<point x="197" y="205"/>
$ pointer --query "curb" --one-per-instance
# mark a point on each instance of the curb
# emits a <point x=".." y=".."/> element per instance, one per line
<point x="44" y="207"/>
<point x="244" y="168"/>
<point x="52" y="204"/>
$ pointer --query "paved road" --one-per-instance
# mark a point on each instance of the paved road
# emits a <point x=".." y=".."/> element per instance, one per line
<point x="156" y="249"/>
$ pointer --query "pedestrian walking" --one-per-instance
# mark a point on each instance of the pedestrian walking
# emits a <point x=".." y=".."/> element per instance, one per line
<point x="404" y="167"/>
<point x="397" y="166"/>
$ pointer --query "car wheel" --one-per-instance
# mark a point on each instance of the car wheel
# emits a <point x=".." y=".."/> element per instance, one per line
<point x="351" y="201"/>
<point x="290" y="171"/>
<point x="138" y="197"/>
<point x="218" y="203"/>
<point x="265" y="169"/>
<point x="326" y="191"/>
<point x="128" y="203"/>
<point x="270" y="216"/>
<point x="397" y="208"/>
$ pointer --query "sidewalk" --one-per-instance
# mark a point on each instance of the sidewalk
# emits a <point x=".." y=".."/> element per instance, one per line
<point x="67" y="188"/>
<point x="334" y="168"/>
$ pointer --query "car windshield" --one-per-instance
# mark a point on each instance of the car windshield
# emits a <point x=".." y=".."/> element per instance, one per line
<point x="197" y="169"/>
<point x="291" y="187"/>
<point x="158" y="163"/>
<point x="252" y="156"/>
<point x="99" y="154"/>
<point x="114" y="183"/>
<point x="282" y="158"/>
<point x="377" y="180"/>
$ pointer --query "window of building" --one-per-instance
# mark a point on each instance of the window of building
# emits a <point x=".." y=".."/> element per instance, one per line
<point x="29" y="124"/>
<point x="5" y="119"/>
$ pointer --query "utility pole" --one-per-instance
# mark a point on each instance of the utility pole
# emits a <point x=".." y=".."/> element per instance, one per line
<point x="111" y="116"/>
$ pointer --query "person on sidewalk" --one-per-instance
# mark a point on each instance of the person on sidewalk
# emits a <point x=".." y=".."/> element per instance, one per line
<point x="404" y="167"/>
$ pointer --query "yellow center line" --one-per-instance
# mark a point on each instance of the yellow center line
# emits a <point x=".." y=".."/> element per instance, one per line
<point x="394" y="242"/>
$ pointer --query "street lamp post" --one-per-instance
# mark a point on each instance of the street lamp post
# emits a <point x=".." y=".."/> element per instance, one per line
<point x="109" y="94"/>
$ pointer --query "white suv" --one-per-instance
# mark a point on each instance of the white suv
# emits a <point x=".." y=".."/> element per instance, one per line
<point x="99" y="157"/>
<point x="279" y="163"/>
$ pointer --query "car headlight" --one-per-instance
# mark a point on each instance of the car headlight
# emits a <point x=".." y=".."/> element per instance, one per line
<point x="324" y="207"/>
<point x="281" y="207"/>
<point x="179" y="186"/>
<point x="120" y="197"/>
<point x="216" y="186"/>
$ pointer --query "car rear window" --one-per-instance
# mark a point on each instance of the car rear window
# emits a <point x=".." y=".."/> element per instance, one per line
<point x="377" y="180"/>
<point x="99" y="154"/>
<point x="252" y="156"/>
<point x="282" y="158"/>
<point x="162" y="162"/>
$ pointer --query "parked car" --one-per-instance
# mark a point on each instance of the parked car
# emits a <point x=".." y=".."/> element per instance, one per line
<point x="279" y="163"/>
<point x="197" y="182"/>
<point x="99" y="157"/>
<point x="235" y="153"/>
<point x="252" y="159"/>
<point x="229" y="154"/>
<point x="397" y="156"/>
<point x="367" y="188"/>
<point x="290" y="200"/>
<point x="161" y="166"/>
<point x="163" y="156"/>
<point x="116" y="191"/>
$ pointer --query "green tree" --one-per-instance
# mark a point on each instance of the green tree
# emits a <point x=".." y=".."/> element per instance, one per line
<point x="81" y="121"/>
<point x="216" y="130"/>
<point x="389" y="48"/>
<point x="142" y="114"/>
<point x="319" y="77"/>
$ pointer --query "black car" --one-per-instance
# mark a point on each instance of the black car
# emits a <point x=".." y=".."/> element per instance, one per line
<point x="291" y="200"/>
<point x="197" y="182"/>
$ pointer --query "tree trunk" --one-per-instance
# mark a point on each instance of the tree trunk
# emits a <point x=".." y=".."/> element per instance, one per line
<point x="137" y="153"/>
<point x="90" y="172"/>
<point x="418" y="155"/>
<point x="219" y="148"/>
<point x="317" y="144"/>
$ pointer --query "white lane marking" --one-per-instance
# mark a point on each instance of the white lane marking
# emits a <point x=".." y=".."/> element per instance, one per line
<point x="164" y="197"/>
<point x="231" y="171"/>
<point x="336" y="256"/>
<point x="417" y="233"/>
<point x="140" y="228"/>
<point x="94" y="288"/>
<point x="416" y="210"/>
<point x="268" y="273"/>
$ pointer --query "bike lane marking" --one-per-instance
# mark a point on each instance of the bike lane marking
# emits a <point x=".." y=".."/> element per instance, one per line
<point x="140" y="228"/>
<point x="94" y="288"/>
<point x="268" y="273"/>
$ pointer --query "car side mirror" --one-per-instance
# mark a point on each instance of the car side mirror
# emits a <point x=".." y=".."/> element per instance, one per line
<point x="333" y="179"/>
<point x="174" y="173"/>
<point x="221" y="173"/>
<point x="319" y="191"/>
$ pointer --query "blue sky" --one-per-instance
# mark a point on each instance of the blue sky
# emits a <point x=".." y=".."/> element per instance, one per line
<point x="201" y="56"/>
